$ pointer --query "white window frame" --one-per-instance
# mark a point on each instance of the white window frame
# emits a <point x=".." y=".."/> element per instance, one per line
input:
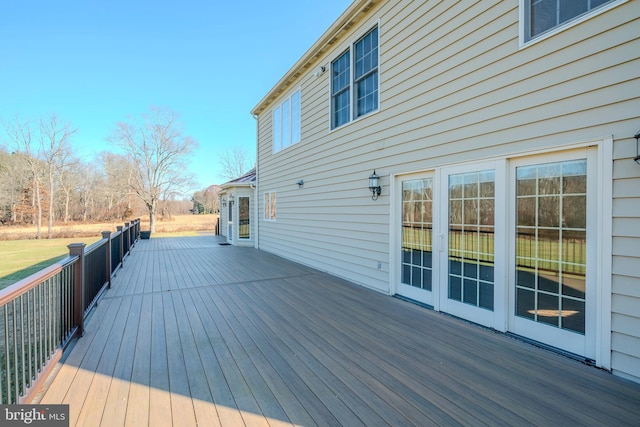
<point x="353" y="114"/>
<point x="524" y="25"/>
<point x="270" y="206"/>
<point x="287" y="121"/>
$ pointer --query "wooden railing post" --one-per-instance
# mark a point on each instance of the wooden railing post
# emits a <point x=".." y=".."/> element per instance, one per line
<point x="128" y="230"/>
<point x="121" y="245"/>
<point x="107" y="235"/>
<point x="78" y="286"/>
<point x="137" y="231"/>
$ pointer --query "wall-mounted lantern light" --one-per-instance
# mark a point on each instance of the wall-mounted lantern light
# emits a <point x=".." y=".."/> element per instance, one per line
<point x="637" y="137"/>
<point x="300" y="183"/>
<point x="224" y="202"/>
<point x="321" y="69"/>
<point x="374" y="185"/>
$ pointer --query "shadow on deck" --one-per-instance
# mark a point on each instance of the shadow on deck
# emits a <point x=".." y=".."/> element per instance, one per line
<point x="197" y="333"/>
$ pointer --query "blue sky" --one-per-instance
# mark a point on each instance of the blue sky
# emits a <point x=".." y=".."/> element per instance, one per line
<point x="95" y="63"/>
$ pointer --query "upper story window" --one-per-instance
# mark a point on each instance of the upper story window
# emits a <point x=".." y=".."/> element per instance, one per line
<point x="542" y="16"/>
<point x="354" y="80"/>
<point x="286" y="122"/>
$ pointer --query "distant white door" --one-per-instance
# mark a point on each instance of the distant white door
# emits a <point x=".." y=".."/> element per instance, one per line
<point x="244" y="218"/>
<point x="230" y="223"/>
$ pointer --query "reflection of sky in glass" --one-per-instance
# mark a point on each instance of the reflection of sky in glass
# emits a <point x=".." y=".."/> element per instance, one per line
<point x="569" y="168"/>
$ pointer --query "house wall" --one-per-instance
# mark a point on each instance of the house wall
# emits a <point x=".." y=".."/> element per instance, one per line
<point x="455" y="86"/>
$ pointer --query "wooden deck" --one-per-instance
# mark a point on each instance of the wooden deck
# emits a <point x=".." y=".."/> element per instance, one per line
<point x="194" y="333"/>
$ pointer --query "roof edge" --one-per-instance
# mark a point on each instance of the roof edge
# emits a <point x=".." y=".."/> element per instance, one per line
<point x="344" y="22"/>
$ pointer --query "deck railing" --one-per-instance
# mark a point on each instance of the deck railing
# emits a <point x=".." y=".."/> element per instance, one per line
<point x="41" y="314"/>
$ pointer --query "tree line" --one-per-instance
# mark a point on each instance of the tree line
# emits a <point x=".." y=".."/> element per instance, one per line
<point x="43" y="181"/>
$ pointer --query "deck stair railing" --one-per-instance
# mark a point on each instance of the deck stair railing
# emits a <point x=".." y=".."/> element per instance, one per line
<point x="41" y="314"/>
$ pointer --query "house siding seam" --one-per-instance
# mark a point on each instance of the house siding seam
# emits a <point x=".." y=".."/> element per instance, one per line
<point x="455" y="86"/>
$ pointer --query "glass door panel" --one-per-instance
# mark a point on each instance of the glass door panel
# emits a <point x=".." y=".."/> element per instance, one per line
<point x="417" y="232"/>
<point x="416" y="241"/>
<point x="551" y="244"/>
<point x="244" y="218"/>
<point x="473" y="249"/>
<point x="471" y="238"/>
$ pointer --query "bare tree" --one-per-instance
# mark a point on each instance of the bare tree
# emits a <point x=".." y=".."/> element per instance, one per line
<point x="159" y="149"/>
<point x="69" y="179"/>
<point x="56" y="150"/>
<point x="118" y="176"/>
<point x="206" y="201"/>
<point x="235" y="162"/>
<point x="20" y="134"/>
<point x="14" y="178"/>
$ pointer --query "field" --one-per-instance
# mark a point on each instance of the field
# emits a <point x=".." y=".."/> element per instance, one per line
<point x="22" y="255"/>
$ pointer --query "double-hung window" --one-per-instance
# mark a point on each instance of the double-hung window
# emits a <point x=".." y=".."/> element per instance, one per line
<point x="286" y="122"/>
<point x="542" y="16"/>
<point x="354" y="80"/>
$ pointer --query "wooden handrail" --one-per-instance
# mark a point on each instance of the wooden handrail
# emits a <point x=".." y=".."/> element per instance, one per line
<point x="71" y="281"/>
<point x="23" y="286"/>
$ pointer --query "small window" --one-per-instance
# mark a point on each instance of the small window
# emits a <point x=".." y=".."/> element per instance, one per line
<point x="270" y="206"/>
<point x="286" y="122"/>
<point x="542" y="16"/>
<point x="354" y="80"/>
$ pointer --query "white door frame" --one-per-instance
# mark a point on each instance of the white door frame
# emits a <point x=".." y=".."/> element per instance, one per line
<point x="496" y="318"/>
<point x="230" y="220"/>
<point x="600" y="182"/>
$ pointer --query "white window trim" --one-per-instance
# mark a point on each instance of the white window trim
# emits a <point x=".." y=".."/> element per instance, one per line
<point x="351" y="48"/>
<point x="276" y="148"/>
<point x="562" y="27"/>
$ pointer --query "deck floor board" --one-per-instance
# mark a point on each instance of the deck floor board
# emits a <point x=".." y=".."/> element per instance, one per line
<point x="195" y="333"/>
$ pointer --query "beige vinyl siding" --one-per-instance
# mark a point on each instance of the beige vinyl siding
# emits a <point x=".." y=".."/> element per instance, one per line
<point x="455" y="86"/>
<point x="625" y="313"/>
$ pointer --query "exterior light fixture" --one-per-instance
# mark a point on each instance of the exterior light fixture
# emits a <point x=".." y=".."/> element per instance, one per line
<point x="374" y="185"/>
<point x="637" y="137"/>
<point x="300" y="183"/>
<point x="321" y="69"/>
<point x="224" y="202"/>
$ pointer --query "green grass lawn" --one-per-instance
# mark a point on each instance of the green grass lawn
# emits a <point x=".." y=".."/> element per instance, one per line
<point x="21" y="258"/>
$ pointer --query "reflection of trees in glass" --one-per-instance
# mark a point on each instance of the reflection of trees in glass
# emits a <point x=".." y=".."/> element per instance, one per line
<point x="417" y="218"/>
<point x="551" y="243"/>
<point x="552" y="195"/>
<point x="471" y="238"/>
